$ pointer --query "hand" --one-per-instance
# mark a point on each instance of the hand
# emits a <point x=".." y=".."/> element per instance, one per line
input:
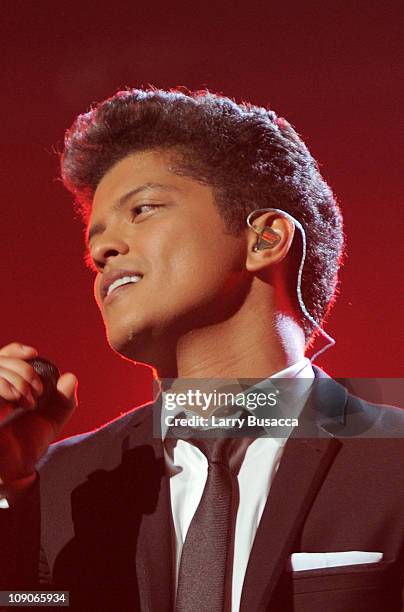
<point x="25" y="438"/>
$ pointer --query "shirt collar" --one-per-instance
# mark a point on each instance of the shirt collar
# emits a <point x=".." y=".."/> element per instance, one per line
<point x="300" y="369"/>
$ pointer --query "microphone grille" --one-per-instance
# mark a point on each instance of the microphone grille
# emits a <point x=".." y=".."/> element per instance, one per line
<point x="49" y="375"/>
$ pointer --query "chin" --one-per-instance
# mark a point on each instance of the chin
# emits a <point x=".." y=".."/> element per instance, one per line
<point x="125" y="345"/>
<point x="147" y="347"/>
<point x="133" y="344"/>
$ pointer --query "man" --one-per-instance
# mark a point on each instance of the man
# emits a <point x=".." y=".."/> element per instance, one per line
<point x="166" y="182"/>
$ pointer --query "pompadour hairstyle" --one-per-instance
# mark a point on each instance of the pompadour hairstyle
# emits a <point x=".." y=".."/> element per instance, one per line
<point x="251" y="158"/>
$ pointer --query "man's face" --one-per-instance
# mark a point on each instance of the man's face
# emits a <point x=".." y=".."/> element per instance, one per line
<point x="162" y="236"/>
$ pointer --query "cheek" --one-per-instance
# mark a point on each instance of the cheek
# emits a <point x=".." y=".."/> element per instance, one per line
<point x="202" y="270"/>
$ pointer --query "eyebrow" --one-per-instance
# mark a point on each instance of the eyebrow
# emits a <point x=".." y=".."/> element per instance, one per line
<point x="98" y="228"/>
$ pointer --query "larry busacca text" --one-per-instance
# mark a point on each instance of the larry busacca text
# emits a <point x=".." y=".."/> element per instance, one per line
<point x="251" y="420"/>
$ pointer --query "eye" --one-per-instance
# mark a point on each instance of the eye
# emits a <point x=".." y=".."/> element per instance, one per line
<point x="141" y="209"/>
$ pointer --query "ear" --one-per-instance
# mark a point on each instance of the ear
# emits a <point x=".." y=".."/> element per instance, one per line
<point x="270" y="242"/>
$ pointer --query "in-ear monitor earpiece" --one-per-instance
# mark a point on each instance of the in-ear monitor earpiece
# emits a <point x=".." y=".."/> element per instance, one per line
<point x="267" y="238"/>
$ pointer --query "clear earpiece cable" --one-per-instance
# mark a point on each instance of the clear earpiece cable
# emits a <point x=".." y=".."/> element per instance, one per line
<point x="331" y="341"/>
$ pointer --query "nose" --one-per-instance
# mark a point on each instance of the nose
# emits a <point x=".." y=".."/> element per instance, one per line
<point x="105" y="246"/>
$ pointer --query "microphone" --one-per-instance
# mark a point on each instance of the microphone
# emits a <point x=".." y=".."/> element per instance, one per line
<point x="49" y="375"/>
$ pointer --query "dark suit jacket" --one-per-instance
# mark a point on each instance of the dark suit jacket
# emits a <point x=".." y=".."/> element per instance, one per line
<point x="104" y="504"/>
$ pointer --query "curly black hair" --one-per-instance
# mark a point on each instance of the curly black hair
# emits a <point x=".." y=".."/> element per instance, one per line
<point x="251" y="158"/>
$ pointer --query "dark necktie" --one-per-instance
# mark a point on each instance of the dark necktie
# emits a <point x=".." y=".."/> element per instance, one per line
<point x="202" y="571"/>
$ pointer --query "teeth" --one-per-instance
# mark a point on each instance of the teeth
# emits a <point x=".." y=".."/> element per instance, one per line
<point x="124" y="280"/>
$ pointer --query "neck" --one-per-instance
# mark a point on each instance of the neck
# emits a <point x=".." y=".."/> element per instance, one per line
<point x="250" y="344"/>
<point x="255" y="341"/>
<point x="231" y="350"/>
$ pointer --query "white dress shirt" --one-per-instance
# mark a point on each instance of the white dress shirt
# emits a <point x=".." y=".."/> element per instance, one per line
<point x="187" y="467"/>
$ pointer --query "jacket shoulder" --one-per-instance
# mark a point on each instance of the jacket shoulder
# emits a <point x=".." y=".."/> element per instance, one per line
<point x="345" y="413"/>
<point x="95" y="445"/>
<point x="374" y="420"/>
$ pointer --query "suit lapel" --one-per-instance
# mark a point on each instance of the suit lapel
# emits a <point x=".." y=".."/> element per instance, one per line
<point x="154" y="549"/>
<point x="299" y="477"/>
<point x="304" y="465"/>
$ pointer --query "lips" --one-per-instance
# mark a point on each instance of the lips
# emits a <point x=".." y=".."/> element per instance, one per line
<point x="119" y="278"/>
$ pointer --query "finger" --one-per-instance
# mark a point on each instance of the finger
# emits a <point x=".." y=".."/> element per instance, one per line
<point x="67" y="387"/>
<point x="20" y="385"/>
<point x="19" y="350"/>
<point x="8" y="392"/>
<point x="25" y="370"/>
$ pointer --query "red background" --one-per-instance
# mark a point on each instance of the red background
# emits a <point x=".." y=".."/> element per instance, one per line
<point x="334" y="69"/>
